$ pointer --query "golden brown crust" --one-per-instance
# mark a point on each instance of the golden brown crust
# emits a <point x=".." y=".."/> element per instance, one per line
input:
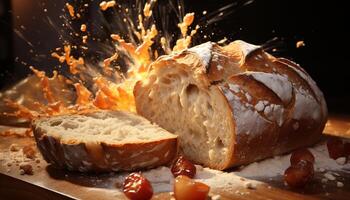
<point x="273" y="138"/>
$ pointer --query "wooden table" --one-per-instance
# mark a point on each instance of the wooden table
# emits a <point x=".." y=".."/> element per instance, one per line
<point x="50" y="183"/>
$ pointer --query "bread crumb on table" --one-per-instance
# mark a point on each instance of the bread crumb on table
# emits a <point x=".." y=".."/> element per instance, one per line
<point x="250" y="185"/>
<point x="341" y="160"/>
<point x="335" y="174"/>
<point x="216" y="197"/>
<point x="324" y="180"/>
<point x="21" y="172"/>
<point x="241" y="193"/>
<point x="329" y="176"/>
<point x="26" y="169"/>
<point x="14" y="147"/>
<point x="321" y="169"/>
<point x="29" y="151"/>
<point x="340" y="184"/>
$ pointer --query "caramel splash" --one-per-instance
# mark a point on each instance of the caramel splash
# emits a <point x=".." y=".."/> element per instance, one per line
<point x="300" y="44"/>
<point x="70" y="9"/>
<point x="83" y="28"/>
<point x="105" y="5"/>
<point x="72" y="62"/>
<point x="186" y="39"/>
<point x="107" y="64"/>
<point x="104" y="93"/>
<point x="83" y="94"/>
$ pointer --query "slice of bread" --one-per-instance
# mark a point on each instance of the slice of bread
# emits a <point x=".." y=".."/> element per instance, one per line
<point x="103" y="141"/>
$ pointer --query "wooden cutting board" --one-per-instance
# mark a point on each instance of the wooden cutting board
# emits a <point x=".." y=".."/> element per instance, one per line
<point x="50" y="183"/>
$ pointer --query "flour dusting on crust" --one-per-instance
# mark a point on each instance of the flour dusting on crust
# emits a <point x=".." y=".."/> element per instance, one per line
<point x="204" y="51"/>
<point x="280" y="85"/>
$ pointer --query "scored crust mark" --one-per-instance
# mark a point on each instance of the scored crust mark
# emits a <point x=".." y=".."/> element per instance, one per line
<point x="245" y="107"/>
<point x="262" y="62"/>
<point x="103" y="141"/>
<point x="246" y="83"/>
<point x="317" y="94"/>
<point x="293" y="64"/>
<point x="278" y="84"/>
<point x="255" y="97"/>
<point x="310" y="102"/>
<point x="302" y="77"/>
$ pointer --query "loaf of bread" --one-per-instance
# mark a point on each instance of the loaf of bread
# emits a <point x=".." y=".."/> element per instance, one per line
<point x="232" y="105"/>
<point x="103" y="141"/>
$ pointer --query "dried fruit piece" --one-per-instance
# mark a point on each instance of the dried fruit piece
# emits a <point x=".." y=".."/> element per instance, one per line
<point x="182" y="166"/>
<point x="335" y="148"/>
<point x="137" y="187"/>
<point x="301" y="154"/>
<point x="299" y="174"/>
<point x="188" y="189"/>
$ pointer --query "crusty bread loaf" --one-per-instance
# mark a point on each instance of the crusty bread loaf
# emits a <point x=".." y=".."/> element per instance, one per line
<point x="103" y="141"/>
<point x="232" y="105"/>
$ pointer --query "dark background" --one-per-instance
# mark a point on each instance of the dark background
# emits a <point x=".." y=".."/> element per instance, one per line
<point x="322" y="25"/>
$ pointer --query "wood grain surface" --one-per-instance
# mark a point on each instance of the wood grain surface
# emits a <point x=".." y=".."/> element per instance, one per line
<point x="50" y="183"/>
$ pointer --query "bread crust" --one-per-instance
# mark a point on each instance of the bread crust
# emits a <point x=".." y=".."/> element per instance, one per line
<point x="276" y="140"/>
<point x="76" y="155"/>
<point x="293" y="113"/>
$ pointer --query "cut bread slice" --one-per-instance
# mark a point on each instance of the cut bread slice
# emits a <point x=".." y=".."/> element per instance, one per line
<point x="103" y="141"/>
